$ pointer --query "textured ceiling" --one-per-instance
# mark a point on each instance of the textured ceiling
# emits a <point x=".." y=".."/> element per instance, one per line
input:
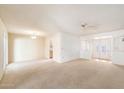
<point x="67" y="18"/>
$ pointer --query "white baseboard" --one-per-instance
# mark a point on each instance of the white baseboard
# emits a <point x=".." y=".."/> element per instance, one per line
<point x="121" y="64"/>
<point x="69" y="60"/>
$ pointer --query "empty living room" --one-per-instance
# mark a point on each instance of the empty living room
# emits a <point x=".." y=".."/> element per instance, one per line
<point x="61" y="46"/>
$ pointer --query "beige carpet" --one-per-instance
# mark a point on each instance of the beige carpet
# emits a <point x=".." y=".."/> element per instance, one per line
<point x="75" y="74"/>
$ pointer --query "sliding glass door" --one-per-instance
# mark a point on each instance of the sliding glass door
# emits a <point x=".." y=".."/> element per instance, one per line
<point x="102" y="48"/>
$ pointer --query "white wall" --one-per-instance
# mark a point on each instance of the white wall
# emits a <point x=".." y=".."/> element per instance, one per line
<point x="86" y="48"/>
<point x="117" y="56"/>
<point x="70" y="47"/>
<point x="24" y="48"/>
<point x="118" y="49"/>
<point x="2" y="48"/>
<point x="66" y="47"/>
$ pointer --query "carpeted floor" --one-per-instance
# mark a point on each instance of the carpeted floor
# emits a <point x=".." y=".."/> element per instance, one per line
<point x="75" y="74"/>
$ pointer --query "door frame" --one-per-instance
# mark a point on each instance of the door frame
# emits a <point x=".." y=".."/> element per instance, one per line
<point x="5" y="49"/>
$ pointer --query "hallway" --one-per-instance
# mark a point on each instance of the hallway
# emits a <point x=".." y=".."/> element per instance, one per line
<point x="75" y="74"/>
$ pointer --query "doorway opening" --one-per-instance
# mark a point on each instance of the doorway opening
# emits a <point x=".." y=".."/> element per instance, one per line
<point x="51" y="50"/>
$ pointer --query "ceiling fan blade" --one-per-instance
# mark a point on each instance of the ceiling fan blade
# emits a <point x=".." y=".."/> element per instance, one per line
<point x="91" y="26"/>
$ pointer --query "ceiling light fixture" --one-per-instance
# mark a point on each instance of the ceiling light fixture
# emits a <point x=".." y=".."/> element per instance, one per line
<point x="34" y="36"/>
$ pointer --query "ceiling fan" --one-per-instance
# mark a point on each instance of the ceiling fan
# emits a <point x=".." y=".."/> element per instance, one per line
<point x="88" y="26"/>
